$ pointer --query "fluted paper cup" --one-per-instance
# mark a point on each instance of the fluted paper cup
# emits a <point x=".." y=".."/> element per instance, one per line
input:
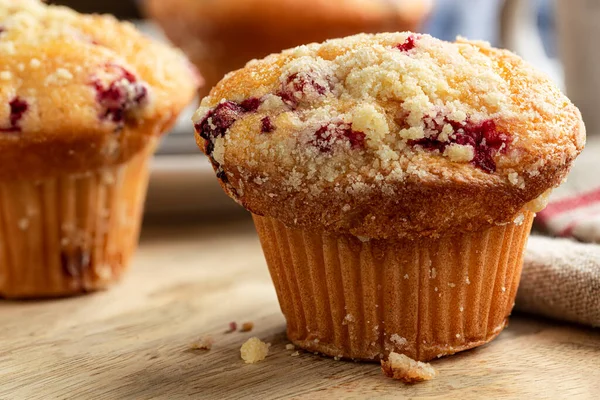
<point x="71" y="234"/>
<point x="361" y="299"/>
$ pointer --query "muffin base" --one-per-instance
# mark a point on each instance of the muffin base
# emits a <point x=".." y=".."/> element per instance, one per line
<point x="71" y="234"/>
<point x="349" y="298"/>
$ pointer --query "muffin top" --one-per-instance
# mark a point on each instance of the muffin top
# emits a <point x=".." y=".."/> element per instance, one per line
<point x="79" y="92"/>
<point x="390" y="135"/>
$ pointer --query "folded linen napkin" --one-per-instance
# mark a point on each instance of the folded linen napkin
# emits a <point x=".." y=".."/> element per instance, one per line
<point x="561" y="280"/>
<point x="561" y="277"/>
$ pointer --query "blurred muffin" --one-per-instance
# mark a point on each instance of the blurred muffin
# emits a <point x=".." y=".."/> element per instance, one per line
<point x="83" y="100"/>
<point x="393" y="180"/>
<point x="221" y="36"/>
<point x="119" y="8"/>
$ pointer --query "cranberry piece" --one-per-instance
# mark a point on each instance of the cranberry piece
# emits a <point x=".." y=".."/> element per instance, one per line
<point x="221" y="175"/>
<point x="297" y="86"/>
<point x="430" y="144"/>
<point x="356" y="138"/>
<point x="210" y="147"/>
<point x="484" y="160"/>
<point x="120" y="96"/>
<point x="323" y="139"/>
<point x="484" y="137"/>
<point x="232" y="327"/>
<point x="18" y="108"/>
<point x="1" y="30"/>
<point x="219" y="120"/>
<point x="326" y="136"/>
<point x="408" y="44"/>
<point x="126" y="74"/>
<point x="251" y="104"/>
<point x="75" y="263"/>
<point x="267" y="125"/>
<point x="491" y="140"/>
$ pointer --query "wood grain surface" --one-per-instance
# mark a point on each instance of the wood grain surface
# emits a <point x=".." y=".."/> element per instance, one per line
<point x="133" y="342"/>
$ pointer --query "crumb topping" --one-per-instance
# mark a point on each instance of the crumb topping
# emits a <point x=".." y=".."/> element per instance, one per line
<point x="381" y="107"/>
<point x="407" y="370"/>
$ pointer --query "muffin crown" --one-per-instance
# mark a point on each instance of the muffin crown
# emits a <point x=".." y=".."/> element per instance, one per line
<point x="81" y="91"/>
<point x="389" y="135"/>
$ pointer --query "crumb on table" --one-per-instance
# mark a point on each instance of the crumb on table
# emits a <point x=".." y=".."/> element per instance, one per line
<point x="247" y="327"/>
<point x="232" y="327"/>
<point x="290" y="346"/>
<point x="407" y="370"/>
<point x="254" y="350"/>
<point x="204" y="343"/>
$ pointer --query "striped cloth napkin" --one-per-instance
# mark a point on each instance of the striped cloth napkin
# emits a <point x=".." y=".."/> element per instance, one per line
<point x="574" y="209"/>
<point x="561" y="277"/>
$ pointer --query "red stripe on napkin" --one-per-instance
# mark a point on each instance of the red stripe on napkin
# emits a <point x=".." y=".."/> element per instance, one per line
<point x="570" y="203"/>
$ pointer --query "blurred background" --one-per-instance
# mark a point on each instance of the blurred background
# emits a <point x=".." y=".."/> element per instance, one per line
<point x="475" y="19"/>
<point x="528" y="27"/>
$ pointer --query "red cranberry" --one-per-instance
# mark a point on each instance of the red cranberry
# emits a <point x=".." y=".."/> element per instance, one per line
<point x="18" y="108"/>
<point x="326" y="136"/>
<point x="484" y="137"/>
<point x="120" y="96"/>
<point x="296" y="87"/>
<point x="267" y="125"/>
<point x="219" y="120"/>
<point x="430" y="144"/>
<point x="232" y="327"/>
<point x="408" y="45"/>
<point x="251" y="104"/>
<point x="222" y="176"/>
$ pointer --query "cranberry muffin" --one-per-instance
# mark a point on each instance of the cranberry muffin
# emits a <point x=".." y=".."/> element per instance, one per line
<point x="221" y="36"/>
<point x="393" y="180"/>
<point x="83" y="100"/>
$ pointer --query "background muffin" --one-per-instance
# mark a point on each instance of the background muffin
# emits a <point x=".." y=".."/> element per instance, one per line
<point x="393" y="179"/>
<point x="83" y="99"/>
<point x="221" y="36"/>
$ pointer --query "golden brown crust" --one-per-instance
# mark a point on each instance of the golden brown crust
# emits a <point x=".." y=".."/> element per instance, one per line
<point x="412" y="208"/>
<point x="368" y="138"/>
<point x="92" y="90"/>
<point x="221" y="36"/>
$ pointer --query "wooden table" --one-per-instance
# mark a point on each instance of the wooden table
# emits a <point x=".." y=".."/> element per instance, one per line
<point x="188" y="281"/>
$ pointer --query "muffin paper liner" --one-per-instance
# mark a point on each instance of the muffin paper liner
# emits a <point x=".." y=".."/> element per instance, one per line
<point x="361" y="299"/>
<point x="72" y="233"/>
